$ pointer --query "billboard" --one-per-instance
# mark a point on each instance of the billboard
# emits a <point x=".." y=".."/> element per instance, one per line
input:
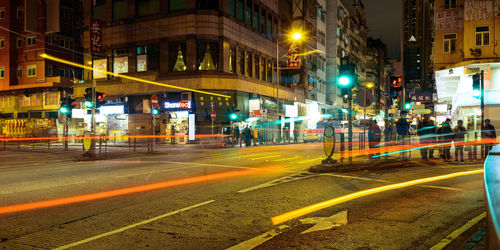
<point x="95" y="36"/>
<point x="449" y="20"/>
<point x="293" y="60"/>
<point x="478" y="10"/>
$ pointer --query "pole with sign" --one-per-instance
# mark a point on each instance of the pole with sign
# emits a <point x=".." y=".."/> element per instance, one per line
<point x="329" y="144"/>
<point x="154" y="112"/>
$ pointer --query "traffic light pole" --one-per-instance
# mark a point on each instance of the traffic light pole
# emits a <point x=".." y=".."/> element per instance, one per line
<point x="154" y="133"/>
<point x="92" y="128"/>
<point x="482" y="99"/>
<point x="349" y="124"/>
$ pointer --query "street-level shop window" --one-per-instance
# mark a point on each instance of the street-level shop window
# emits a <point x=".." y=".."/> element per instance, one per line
<point x="2" y="42"/>
<point x="24" y="101"/>
<point x="31" y="41"/>
<point x="31" y="70"/>
<point x="19" y="72"/>
<point x="232" y="59"/>
<point x="142" y="58"/>
<point x="207" y="54"/>
<point x="483" y="36"/>
<point x="177" y="55"/>
<point x="450" y="4"/>
<point x="174" y="5"/>
<point x="249" y="58"/>
<point x="2" y="72"/>
<point x="120" y="9"/>
<point x="2" y="13"/>
<point x="449" y="43"/>
<point x="147" y="7"/>
<point x="19" y="13"/>
<point x="36" y="99"/>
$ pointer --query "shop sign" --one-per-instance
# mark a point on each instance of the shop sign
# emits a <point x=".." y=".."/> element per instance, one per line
<point x="254" y="104"/>
<point x="100" y="67"/>
<point x="179" y="114"/>
<point x="421" y="97"/>
<point x="449" y="20"/>
<point x="120" y="64"/>
<point x="177" y="105"/>
<point x="95" y="36"/>
<point x="291" y="111"/>
<point x="112" y="110"/>
<point x="470" y="71"/>
<point x="478" y="10"/>
<point x="191" y="127"/>
<point x="293" y="56"/>
<point x="441" y="108"/>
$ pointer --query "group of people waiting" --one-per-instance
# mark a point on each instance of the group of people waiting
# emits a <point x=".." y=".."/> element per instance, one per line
<point x="247" y="135"/>
<point x="442" y="137"/>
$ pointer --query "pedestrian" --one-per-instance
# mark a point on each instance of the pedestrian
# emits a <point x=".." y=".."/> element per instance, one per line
<point x="426" y="134"/>
<point x="237" y="135"/>
<point x="172" y="134"/>
<point x="446" y="136"/>
<point x="402" y="128"/>
<point x="488" y="132"/>
<point x="255" y="136"/>
<point x="374" y="137"/>
<point x="459" y="136"/>
<point x="248" y="136"/>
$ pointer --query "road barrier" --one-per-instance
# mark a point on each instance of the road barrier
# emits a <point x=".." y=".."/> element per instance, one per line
<point x="492" y="193"/>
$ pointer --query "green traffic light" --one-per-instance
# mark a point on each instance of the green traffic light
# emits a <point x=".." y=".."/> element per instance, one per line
<point x="408" y="106"/>
<point x="476" y="93"/>
<point x="344" y="81"/>
<point x="233" y="116"/>
<point x="155" y="111"/>
<point x="88" y="104"/>
<point x="63" y="110"/>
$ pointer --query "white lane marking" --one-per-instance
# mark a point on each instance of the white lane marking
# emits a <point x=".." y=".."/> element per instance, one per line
<point x="265" y="157"/>
<point x="119" y="230"/>
<point x="154" y="171"/>
<point x="278" y="181"/>
<point x="290" y="158"/>
<point x="440" y="187"/>
<point x="325" y="223"/>
<point x="451" y="237"/>
<point x="30" y="187"/>
<point x="258" y="240"/>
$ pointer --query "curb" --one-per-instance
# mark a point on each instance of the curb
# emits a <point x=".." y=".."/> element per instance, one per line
<point x="375" y="165"/>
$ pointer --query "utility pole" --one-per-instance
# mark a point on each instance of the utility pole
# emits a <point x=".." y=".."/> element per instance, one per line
<point x="349" y="124"/>
<point x="93" y="125"/>
<point x="482" y="100"/>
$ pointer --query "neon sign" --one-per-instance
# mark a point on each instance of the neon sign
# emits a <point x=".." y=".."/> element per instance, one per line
<point x="177" y="105"/>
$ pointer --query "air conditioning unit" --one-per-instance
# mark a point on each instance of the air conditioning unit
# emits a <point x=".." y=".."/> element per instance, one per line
<point x="186" y="96"/>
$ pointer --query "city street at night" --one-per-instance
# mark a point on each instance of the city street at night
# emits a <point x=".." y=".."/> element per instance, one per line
<point x="223" y="198"/>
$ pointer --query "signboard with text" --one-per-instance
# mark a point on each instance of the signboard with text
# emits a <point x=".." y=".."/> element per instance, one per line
<point x="95" y="36"/>
<point x="421" y="97"/>
<point x="293" y="61"/>
<point x="478" y="10"/>
<point x="449" y="20"/>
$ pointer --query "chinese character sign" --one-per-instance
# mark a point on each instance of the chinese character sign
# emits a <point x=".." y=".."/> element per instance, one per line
<point x="449" y="20"/>
<point x="478" y="10"/>
<point x="421" y="97"/>
<point x="95" y="36"/>
<point x="294" y="56"/>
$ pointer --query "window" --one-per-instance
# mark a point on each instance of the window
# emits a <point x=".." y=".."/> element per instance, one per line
<point x="19" y="72"/>
<point x="450" y="4"/>
<point x="142" y="58"/>
<point x="31" y="41"/>
<point x="262" y="69"/>
<point x="99" y="9"/>
<point x="177" y="56"/>
<point x="207" y="55"/>
<point x="483" y="36"/>
<point x="321" y="37"/>
<point x="51" y="98"/>
<point x="49" y="70"/>
<point x="241" y="62"/>
<point x="232" y="59"/>
<point x="256" y="16"/>
<point x="31" y="70"/>
<point x="241" y="9"/>
<point x="24" y="101"/>
<point x="174" y="5"/>
<point x="120" y="9"/>
<point x="207" y="4"/>
<point x="2" y="13"/>
<point x="248" y="13"/>
<point x="449" y="43"/>
<point x="19" y="13"/>
<point x="269" y="71"/>
<point x="2" y="72"/>
<point x="269" y="24"/>
<point x="36" y="99"/>
<point x="62" y="43"/>
<point x="263" y="21"/>
<point x="60" y="72"/>
<point x="232" y="7"/>
<point x="249" y="58"/>
<point x="257" y="66"/>
<point x="147" y="7"/>
<point x="2" y="43"/>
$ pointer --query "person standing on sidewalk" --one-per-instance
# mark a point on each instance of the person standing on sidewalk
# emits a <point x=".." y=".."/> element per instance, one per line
<point x="374" y="137"/>
<point x="403" y="128"/>
<point x="446" y="135"/>
<point x="255" y="135"/>
<point x="237" y="135"/>
<point x="425" y="131"/>
<point x="488" y="132"/>
<point x="459" y="136"/>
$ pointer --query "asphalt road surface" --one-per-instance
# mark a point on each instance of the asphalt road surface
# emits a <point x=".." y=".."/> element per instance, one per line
<point x="217" y="199"/>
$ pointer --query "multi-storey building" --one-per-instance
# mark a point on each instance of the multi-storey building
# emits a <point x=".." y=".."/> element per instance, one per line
<point x="29" y="84"/>
<point x="376" y="52"/>
<point x="417" y="37"/>
<point x="227" y="47"/>
<point x="465" y="45"/>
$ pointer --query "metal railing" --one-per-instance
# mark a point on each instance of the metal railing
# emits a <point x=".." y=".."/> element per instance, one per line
<point x="492" y="193"/>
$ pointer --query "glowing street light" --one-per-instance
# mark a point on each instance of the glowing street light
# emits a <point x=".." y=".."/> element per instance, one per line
<point x="369" y="85"/>
<point x="297" y="36"/>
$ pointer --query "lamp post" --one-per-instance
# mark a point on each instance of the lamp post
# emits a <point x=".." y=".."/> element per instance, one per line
<point x="367" y="87"/>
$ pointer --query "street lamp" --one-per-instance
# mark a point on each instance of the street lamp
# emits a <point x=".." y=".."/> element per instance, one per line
<point x="297" y="36"/>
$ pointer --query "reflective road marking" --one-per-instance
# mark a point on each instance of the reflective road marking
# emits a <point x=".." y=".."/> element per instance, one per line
<point x="446" y="241"/>
<point x="257" y="241"/>
<point x="119" y="230"/>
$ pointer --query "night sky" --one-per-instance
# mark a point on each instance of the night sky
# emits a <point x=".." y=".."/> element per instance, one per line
<point x="384" y="21"/>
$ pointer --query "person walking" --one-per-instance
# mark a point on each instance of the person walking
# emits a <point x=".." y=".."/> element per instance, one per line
<point x="446" y="135"/>
<point x="459" y="133"/>
<point x="237" y="135"/>
<point x="248" y="136"/>
<point x="374" y="137"/>
<point x="425" y="132"/>
<point x="403" y="128"/>
<point x="489" y="133"/>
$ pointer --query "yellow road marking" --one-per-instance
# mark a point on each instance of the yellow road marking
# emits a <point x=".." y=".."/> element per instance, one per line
<point x="451" y="237"/>
<point x="245" y="156"/>
<point x="290" y="158"/>
<point x="119" y="230"/>
<point x="325" y="204"/>
<point x="265" y="157"/>
<point x="320" y="158"/>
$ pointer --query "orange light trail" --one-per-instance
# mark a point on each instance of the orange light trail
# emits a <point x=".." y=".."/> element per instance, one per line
<point x="131" y="190"/>
<point x="325" y="204"/>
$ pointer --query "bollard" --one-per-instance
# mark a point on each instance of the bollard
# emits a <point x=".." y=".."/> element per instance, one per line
<point x="342" y="146"/>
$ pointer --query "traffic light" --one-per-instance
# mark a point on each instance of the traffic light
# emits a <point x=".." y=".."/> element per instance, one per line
<point x="66" y="105"/>
<point x="99" y="99"/>
<point x="233" y="116"/>
<point x="155" y="111"/>
<point x="476" y="85"/>
<point x="408" y="106"/>
<point x="88" y="98"/>
<point x="347" y="74"/>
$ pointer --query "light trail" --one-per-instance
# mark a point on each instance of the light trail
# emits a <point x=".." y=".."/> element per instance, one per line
<point x="131" y="190"/>
<point x="56" y="59"/>
<point x="325" y="204"/>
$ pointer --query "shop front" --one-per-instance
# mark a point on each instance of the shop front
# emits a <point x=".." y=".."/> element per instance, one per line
<point x="181" y="119"/>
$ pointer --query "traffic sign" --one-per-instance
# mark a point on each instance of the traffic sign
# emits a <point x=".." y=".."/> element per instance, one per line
<point x="362" y="101"/>
<point x="213" y="115"/>
<point x="154" y="101"/>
